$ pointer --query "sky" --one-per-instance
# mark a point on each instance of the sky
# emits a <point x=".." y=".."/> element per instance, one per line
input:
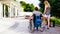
<point x="35" y="2"/>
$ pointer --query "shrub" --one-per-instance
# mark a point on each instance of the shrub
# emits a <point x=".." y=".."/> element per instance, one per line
<point x="57" y="20"/>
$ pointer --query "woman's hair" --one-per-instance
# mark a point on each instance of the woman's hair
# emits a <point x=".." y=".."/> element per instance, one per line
<point x="36" y="8"/>
<point x="46" y="3"/>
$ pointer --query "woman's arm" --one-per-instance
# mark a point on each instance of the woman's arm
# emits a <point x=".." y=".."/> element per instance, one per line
<point x="45" y="10"/>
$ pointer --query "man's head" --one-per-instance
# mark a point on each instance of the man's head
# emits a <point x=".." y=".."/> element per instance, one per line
<point x="36" y="9"/>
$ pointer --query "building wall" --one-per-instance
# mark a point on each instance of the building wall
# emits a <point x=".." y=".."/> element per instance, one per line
<point x="1" y="10"/>
<point x="14" y="8"/>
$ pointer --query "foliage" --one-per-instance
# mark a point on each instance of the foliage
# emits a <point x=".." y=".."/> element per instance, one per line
<point x="41" y="5"/>
<point x="40" y="10"/>
<point x="55" y="7"/>
<point x="57" y="20"/>
<point x="23" y="4"/>
<point x="14" y="0"/>
<point x="27" y="7"/>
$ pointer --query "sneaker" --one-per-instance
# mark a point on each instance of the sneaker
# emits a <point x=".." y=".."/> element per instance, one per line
<point x="47" y="28"/>
<point x="41" y="30"/>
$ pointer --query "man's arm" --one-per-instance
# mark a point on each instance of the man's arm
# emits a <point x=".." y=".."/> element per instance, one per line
<point x="30" y="17"/>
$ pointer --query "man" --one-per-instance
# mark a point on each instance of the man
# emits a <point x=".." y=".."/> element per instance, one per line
<point x="35" y="13"/>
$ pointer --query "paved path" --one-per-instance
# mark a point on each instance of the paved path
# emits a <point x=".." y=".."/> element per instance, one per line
<point x="20" y="26"/>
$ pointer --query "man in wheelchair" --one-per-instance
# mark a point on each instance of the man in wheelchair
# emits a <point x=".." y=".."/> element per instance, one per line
<point x="36" y="17"/>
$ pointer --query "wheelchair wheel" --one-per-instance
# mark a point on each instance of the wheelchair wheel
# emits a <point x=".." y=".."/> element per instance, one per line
<point x="31" y="26"/>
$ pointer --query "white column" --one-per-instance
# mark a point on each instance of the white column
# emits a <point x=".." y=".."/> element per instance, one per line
<point x="20" y="11"/>
<point x="4" y="11"/>
<point x="11" y="10"/>
<point x="16" y="12"/>
<point x="1" y="11"/>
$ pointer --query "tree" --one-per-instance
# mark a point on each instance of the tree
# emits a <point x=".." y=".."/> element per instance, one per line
<point x="14" y="0"/>
<point x="55" y="7"/>
<point x="23" y="4"/>
<point x="41" y="5"/>
<point x="27" y="7"/>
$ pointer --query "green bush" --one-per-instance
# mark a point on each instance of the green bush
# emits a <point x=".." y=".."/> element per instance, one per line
<point x="57" y="20"/>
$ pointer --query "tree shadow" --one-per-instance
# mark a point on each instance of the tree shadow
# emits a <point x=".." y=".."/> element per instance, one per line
<point x="14" y="26"/>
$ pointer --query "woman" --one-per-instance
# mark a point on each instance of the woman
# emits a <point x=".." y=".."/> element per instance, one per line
<point x="46" y="14"/>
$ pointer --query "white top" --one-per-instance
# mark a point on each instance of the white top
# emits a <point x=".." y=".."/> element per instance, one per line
<point x="37" y="13"/>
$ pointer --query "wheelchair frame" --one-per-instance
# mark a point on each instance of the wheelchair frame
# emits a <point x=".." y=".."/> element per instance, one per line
<point x="31" y="25"/>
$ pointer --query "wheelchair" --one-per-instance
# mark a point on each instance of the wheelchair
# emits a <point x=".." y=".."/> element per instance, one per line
<point x="35" y="23"/>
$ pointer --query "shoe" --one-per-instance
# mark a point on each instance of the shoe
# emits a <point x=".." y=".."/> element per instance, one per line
<point x="37" y="29"/>
<point x="47" y="28"/>
<point x="42" y="30"/>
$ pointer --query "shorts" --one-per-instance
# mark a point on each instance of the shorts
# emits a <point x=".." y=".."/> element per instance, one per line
<point x="46" y="15"/>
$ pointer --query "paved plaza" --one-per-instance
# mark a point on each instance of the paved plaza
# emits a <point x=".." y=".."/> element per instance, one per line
<point x="20" y="26"/>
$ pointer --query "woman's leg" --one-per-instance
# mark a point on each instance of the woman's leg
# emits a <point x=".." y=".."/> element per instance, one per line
<point x="48" y="19"/>
<point x="44" y="22"/>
